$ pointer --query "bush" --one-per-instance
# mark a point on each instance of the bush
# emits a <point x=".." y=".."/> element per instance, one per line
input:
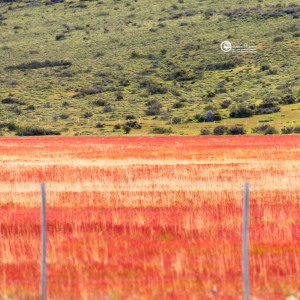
<point x="119" y="96"/>
<point x="9" y="125"/>
<point x="178" y="104"/>
<point x="124" y="82"/>
<point x="267" y="103"/>
<point x="130" y="117"/>
<point x="287" y="130"/>
<point x="60" y="37"/>
<point x="199" y="117"/>
<point x="176" y="120"/>
<point x="134" y="55"/>
<point x="64" y="116"/>
<point x="30" y="107"/>
<point x="37" y="65"/>
<point x="265" y="129"/>
<point x="225" y="103"/>
<point x="288" y="99"/>
<point x="117" y="126"/>
<point x="161" y="130"/>
<point x="87" y="115"/>
<point x="99" y="102"/>
<point x="133" y="124"/>
<point x="220" y="130"/>
<point x="262" y="111"/>
<point x="47" y="105"/>
<point x="100" y="125"/>
<point x="230" y="64"/>
<point x="65" y="104"/>
<point x="268" y="106"/>
<point x="278" y="39"/>
<point x="90" y="91"/>
<point x="126" y="129"/>
<point x="297" y="129"/>
<point x="236" y="130"/>
<point x="241" y="111"/>
<point x="205" y="131"/>
<point x="154" y="108"/>
<point x="211" y="116"/>
<point x="157" y="89"/>
<point x="107" y="108"/>
<point x="31" y="131"/>
<point x="265" y="68"/>
<point x="9" y="100"/>
<point x="180" y="75"/>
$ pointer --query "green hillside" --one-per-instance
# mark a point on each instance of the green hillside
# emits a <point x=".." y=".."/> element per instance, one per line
<point x="85" y="67"/>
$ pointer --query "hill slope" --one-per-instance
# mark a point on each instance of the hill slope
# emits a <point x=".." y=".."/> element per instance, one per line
<point x="70" y="66"/>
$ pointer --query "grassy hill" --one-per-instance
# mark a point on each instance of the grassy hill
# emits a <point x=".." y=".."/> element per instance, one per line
<point x="86" y="67"/>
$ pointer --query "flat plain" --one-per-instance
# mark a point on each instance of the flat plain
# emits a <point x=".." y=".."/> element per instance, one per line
<point x="150" y="217"/>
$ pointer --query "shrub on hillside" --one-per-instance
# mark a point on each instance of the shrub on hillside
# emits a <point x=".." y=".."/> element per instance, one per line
<point x="265" y="129"/>
<point x="60" y="37"/>
<point x="161" y="130"/>
<point x="90" y="91"/>
<point x="236" y="130"/>
<point x="297" y="129"/>
<point x="211" y="116"/>
<point x="176" y="120"/>
<point x="265" y="68"/>
<point x="278" y="39"/>
<point x="133" y="124"/>
<point x="129" y="117"/>
<point x="230" y="64"/>
<point x="287" y="130"/>
<point x="205" y="131"/>
<point x="64" y="116"/>
<point x="288" y="99"/>
<point x="126" y="129"/>
<point x="31" y="131"/>
<point x="30" y="107"/>
<point x="47" y="105"/>
<point x="100" y="125"/>
<point x="178" y="104"/>
<point x="107" y="108"/>
<point x="220" y="130"/>
<point x="9" y="100"/>
<point x="225" y="103"/>
<point x="154" y="108"/>
<point x="36" y="65"/>
<point x="268" y="106"/>
<point x="9" y="125"/>
<point x="241" y="111"/>
<point x="99" y="102"/>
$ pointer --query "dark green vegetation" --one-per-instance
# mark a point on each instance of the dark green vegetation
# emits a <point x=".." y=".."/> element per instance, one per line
<point x="84" y="67"/>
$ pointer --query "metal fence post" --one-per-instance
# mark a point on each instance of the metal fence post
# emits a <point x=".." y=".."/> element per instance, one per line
<point x="245" y="244"/>
<point x="44" y="241"/>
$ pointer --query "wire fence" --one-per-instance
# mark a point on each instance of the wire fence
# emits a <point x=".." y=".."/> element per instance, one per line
<point x="245" y="243"/>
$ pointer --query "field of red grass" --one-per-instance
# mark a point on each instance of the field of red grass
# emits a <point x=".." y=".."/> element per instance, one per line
<point x="150" y="217"/>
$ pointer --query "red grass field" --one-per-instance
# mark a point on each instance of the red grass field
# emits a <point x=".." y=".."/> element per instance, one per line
<point x="150" y="217"/>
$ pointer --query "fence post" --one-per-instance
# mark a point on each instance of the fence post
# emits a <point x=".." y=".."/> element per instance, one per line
<point x="44" y="242"/>
<point x="245" y="244"/>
